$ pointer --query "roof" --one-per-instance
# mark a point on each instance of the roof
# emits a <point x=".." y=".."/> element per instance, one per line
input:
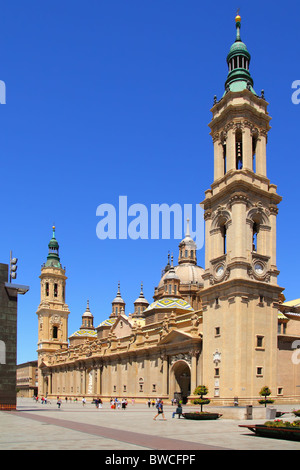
<point x="84" y="333"/>
<point x="108" y="322"/>
<point x="170" y="303"/>
<point x="292" y="303"/>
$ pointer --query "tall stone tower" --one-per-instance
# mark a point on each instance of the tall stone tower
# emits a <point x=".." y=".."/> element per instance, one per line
<point x="53" y="311"/>
<point x="240" y="281"/>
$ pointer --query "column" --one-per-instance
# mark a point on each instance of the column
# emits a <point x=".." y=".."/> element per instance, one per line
<point x="165" y="375"/>
<point x="193" y="371"/>
<point x="247" y="149"/>
<point x="261" y="158"/>
<point x="230" y="149"/>
<point x="218" y="159"/>
<point x="99" y="391"/>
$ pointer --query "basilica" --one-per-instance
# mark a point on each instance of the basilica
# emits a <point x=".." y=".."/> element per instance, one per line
<point x="227" y="325"/>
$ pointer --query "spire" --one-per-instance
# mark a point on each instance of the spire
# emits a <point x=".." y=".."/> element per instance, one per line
<point x="238" y="60"/>
<point x="187" y="247"/>
<point x="118" y="304"/>
<point x="53" y="259"/>
<point x="187" y="233"/>
<point x="87" y="318"/>
<point x="140" y="304"/>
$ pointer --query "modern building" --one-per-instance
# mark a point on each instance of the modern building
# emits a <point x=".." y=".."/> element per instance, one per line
<point x="27" y="379"/>
<point x="226" y="325"/>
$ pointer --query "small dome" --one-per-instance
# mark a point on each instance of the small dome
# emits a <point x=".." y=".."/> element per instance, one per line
<point x="141" y="299"/>
<point x="118" y="299"/>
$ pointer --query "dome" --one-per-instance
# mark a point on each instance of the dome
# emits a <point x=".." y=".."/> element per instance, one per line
<point x="109" y="322"/>
<point x="84" y="334"/>
<point x="141" y="299"/>
<point x="238" y="46"/>
<point x="170" y="303"/>
<point x="187" y="273"/>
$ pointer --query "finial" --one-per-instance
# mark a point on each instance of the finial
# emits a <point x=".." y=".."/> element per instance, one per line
<point x="172" y="260"/>
<point x="238" y="25"/>
<point x="88" y="305"/>
<point x="238" y="18"/>
<point x="187" y="233"/>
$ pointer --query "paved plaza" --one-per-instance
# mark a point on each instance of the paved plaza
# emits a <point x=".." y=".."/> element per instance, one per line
<point x="36" y="426"/>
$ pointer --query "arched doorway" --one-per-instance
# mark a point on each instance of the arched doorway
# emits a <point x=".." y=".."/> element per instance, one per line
<point x="180" y="381"/>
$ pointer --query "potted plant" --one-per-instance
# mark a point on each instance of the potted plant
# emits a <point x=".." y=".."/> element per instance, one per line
<point x="201" y="390"/>
<point x="265" y="392"/>
<point x="278" y="429"/>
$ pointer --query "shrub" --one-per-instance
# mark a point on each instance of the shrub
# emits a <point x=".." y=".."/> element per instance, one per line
<point x="265" y="392"/>
<point x="201" y="390"/>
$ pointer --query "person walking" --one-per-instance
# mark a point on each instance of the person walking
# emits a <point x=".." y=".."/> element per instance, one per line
<point x="160" y="410"/>
<point x="58" y="402"/>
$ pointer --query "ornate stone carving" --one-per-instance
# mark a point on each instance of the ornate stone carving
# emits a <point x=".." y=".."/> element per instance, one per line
<point x="181" y="357"/>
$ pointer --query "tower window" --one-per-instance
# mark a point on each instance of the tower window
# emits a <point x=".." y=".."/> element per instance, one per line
<point x="55" y="290"/>
<point x="224" y="159"/>
<point x="254" y="237"/>
<point x="55" y="332"/>
<point x="254" y="142"/>
<point x="239" y="149"/>
<point x="47" y="289"/>
<point x="223" y="232"/>
<point x="170" y="288"/>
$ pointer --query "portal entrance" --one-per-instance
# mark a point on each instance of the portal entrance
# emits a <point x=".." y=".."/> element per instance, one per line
<point x="180" y="381"/>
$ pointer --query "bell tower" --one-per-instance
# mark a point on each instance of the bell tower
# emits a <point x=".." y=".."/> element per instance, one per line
<point x="53" y="312"/>
<point x="240" y="210"/>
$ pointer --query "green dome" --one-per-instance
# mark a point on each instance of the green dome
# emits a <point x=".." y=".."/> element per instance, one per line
<point x="238" y="46"/>
<point x="53" y="259"/>
<point x="238" y="60"/>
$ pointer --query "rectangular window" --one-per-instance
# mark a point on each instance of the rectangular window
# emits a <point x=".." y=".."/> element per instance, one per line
<point x="54" y="332"/>
<point x="259" y="341"/>
<point x="259" y="371"/>
<point x="55" y="290"/>
<point x="47" y="289"/>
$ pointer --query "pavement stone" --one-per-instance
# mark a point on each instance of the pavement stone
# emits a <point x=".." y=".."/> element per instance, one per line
<point x="76" y="427"/>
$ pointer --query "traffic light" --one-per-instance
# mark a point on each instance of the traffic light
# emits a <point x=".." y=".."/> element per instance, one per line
<point x="13" y="267"/>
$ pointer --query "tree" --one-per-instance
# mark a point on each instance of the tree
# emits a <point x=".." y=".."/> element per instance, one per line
<point x="265" y="392"/>
<point x="201" y="390"/>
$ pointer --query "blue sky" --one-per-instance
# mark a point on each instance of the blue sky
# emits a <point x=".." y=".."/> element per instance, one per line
<point x="111" y="98"/>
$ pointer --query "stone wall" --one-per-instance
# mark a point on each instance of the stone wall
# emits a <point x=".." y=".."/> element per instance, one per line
<point x="8" y="343"/>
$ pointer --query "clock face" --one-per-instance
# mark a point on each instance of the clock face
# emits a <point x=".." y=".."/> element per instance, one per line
<point x="220" y="270"/>
<point x="258" y="268"/>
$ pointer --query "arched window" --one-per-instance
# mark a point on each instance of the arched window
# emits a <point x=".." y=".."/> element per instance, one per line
<point x="224" y="241"/>
<point x="238" y="149"/>
<point x="254" y="143"/>
<point x="224" y="159"/>
<point x="254" y="237"/>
